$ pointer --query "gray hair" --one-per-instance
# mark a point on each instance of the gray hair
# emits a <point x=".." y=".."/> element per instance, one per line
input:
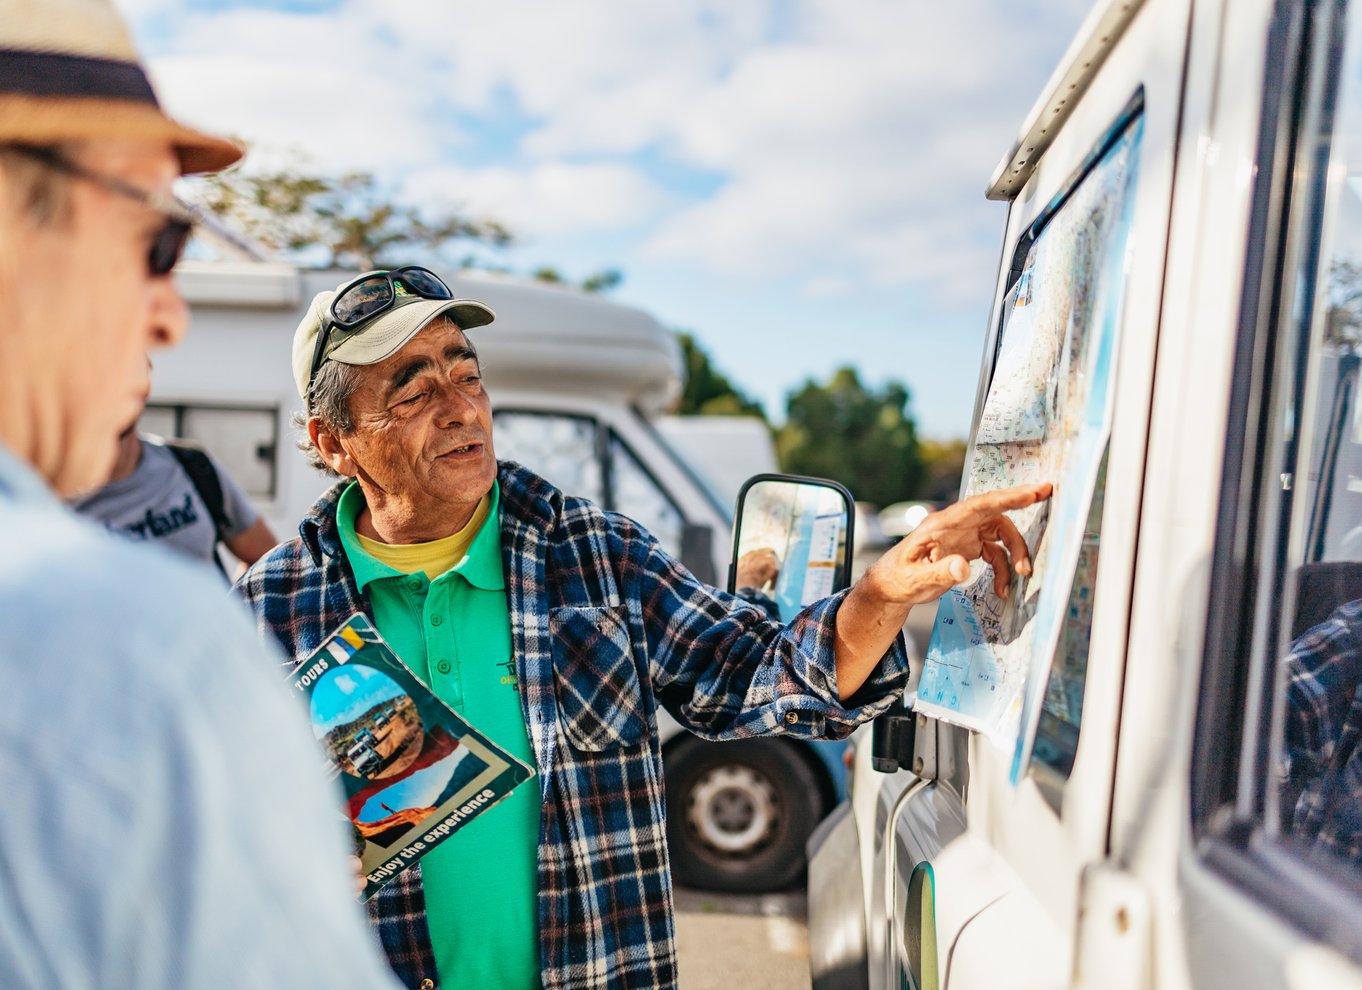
<point x="328" y="400"/>
<point x="36" y="190"/>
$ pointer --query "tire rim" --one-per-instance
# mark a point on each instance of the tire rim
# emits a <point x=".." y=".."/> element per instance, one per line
<point x="733" y="809"/>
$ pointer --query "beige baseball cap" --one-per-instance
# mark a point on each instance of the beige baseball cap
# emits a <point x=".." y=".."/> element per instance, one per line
<point x="379" y="338"/>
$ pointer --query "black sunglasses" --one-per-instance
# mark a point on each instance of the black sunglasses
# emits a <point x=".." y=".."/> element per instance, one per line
<point x="369" y="295"/>
<point x="169" y="242"/>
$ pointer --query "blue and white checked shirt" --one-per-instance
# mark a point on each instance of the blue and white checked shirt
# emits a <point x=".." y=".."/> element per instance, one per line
<point x="165" y="823"/>
<point x="606" y="628"/>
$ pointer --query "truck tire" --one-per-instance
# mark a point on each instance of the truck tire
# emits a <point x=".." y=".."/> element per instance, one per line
<point x="739" y="813"/>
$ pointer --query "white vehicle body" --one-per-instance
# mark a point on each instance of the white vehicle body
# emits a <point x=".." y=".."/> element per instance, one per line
<point x="1156" y="859"/>
<point x="363" y="757"/>
<point x="577" y="384"/>
<point x="726" y="450"/>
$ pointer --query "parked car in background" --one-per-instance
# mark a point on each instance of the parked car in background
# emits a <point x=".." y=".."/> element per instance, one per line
<point x="578" y="383"/>
<point x="1189" y="188"/>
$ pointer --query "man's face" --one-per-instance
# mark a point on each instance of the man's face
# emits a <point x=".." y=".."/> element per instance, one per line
<point x="422" y="441"/>
<point x="88" y="312"/>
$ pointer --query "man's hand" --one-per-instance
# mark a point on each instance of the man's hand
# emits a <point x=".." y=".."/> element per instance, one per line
<point x="922" y="567"/>
<point x="935" y="556"/>
<point x="757" y="568"/>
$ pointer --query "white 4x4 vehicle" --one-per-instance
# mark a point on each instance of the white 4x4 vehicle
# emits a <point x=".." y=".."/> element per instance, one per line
<point x="1189" y="186"/>
<point x="363" y="758"/>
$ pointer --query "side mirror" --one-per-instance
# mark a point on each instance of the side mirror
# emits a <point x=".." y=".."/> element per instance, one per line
<point x="793" y="540"/>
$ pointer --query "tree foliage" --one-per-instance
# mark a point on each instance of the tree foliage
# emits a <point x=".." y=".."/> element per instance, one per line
<point x="601" y="281"/>
<point x="355" y="221"/>
<point x="943" y="463"/>
<point x="1343" y="319"/>
<point x="859" y="436"/>
<point x="345" y="221"/>
<point x="707" y="391"/>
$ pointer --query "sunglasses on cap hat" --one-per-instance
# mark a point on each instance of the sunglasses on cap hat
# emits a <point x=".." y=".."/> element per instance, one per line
<point x="368" y="296"/>
<point x="168" y="243"/>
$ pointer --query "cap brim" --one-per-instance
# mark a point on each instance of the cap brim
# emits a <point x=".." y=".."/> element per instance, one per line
<point x="385" y="336"/>
<point x="45" y="120"/>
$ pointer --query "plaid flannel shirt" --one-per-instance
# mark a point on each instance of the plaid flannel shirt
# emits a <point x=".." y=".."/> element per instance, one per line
<point x="1323" y="758"/>
<point x="606" y="626"/>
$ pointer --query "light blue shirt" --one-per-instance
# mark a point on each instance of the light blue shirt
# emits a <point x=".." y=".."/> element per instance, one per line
<point x="165" y="820"/>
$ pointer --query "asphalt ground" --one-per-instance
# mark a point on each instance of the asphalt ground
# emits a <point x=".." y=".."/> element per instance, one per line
<point x="756" y="941"/>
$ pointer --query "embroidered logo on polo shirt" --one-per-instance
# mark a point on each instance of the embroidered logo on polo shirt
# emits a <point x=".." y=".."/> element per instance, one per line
<point x="510" y="676"/>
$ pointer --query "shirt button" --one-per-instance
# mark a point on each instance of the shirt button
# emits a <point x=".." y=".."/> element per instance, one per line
<point x="443" y="666"/>
<point x="435" y="620"/>
<point x="414" y="583"/>
<point x="427" y="985"/>
<point x="792" y="717"/>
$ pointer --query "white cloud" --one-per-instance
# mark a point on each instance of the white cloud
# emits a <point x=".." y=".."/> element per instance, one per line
<point x="345" y="684"/>
<point x="545" y="200"/>
<point x="849" y="142"/>
<point x="869" y="141"/>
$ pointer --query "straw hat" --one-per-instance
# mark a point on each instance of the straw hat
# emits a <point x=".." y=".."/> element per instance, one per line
<point x="68" y="70"/>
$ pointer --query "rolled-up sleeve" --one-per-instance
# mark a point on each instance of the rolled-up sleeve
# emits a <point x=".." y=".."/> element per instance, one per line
<point x="725" y="670"/>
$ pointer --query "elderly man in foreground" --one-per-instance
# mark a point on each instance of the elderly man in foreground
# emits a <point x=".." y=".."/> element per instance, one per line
<point x="558" y="629"/>
<point x="156" y="780"/>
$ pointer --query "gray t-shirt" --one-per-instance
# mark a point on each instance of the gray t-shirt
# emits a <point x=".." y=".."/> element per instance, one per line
<point x="157" y="503"/>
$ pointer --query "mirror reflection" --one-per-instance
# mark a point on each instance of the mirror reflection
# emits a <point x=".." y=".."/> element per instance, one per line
<point x="792" y="544"/>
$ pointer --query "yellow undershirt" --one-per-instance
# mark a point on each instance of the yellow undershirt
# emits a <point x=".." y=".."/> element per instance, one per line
<point x="435" y="557"/>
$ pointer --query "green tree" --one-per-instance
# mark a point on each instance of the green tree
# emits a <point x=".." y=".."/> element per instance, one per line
<point x="601" y="281"/>
<point x="355" y="221"/>
<point x="943" y="463"/>
<point x="859" y="436"/>
<point x="345" y="221"/>
<point x="1343" y="320"/>
<point x="707" y="391"/>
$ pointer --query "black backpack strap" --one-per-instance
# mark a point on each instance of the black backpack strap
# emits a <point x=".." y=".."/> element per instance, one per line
<point x="204" y="477"/>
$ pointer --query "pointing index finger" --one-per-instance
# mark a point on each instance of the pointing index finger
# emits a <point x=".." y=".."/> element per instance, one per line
<point x="1006" y="499"/>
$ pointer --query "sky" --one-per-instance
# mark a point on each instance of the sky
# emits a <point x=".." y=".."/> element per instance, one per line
<point x="345" y="693"/>
<point x="798" y="183"/>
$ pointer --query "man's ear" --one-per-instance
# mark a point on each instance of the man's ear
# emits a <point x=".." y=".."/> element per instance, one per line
<point x="329" y="446"/>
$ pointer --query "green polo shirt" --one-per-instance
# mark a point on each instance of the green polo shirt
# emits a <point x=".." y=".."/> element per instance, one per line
<point x="455" y="634"/>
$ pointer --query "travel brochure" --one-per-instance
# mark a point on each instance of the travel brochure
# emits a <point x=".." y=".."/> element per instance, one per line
<point x="413" y="772"/>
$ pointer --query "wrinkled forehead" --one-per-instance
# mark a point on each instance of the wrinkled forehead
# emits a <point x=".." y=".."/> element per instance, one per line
<point x="440" y="336"/>
<point x="442" y="343"/>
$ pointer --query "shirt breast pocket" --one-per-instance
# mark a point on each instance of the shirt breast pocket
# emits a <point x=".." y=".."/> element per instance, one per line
<point x="600" y="700"/>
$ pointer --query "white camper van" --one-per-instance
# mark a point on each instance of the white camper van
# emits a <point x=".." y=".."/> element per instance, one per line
<point x="1171" y="793"/>
<point x="577" y="384"/>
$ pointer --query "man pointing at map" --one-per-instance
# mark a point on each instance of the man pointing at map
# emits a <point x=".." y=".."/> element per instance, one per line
<point x="557" y="629"/>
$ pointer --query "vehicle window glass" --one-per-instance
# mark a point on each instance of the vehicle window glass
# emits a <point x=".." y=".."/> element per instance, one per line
<point x="1062" y="709"/>
<point x="1318" y="745"/>
<point x="642" y="499"/>
<point x="560" y="449"/>
<point x="242" y="439"/>
<point x="1046" y="417"/>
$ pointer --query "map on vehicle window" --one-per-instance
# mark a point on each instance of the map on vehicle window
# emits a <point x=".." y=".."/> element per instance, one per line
<point x="412" y="771"/>
<point x="1046" y="417"/>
